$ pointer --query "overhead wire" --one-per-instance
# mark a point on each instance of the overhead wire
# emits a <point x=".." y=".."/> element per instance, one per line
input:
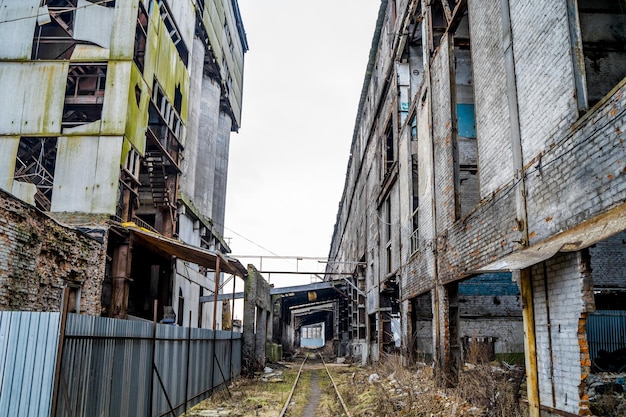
<point x="65" y="10"/>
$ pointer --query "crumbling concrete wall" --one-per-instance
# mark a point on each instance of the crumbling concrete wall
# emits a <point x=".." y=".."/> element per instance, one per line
<point x="39" y="258"/>
<point x="257" y="319"/>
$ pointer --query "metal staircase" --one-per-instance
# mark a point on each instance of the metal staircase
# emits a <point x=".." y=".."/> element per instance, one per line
<point x="158" y="179"/>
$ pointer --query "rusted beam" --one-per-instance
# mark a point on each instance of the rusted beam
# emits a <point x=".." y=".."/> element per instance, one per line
<point x="457" y="15"/>
<point x="530" y="342"/>
<point x="446" y="10"/>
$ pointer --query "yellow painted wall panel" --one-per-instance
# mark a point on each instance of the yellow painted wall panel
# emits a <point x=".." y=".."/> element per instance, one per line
<point x="137" y="120"/>
<point x="152" y="50"/>
<point x="170" y="70"/>
<point x="184" y="13"/>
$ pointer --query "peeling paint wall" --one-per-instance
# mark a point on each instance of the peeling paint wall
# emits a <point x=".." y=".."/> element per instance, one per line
<point x="550" y="169"/>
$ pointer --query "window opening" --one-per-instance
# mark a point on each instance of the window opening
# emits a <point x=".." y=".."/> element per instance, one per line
<point x="603" y="30"/>
<point x="55" y="39"/>
<point x="173" y="31"/>
<point x="415" y="204"/>
<point x="36" y="159"/>
<point x="84" y="94"/>
<point x="390" y="148"/>
<point x="181" y="308"/>
<point x="141" y="36"/>
<point x="466" y="152"/>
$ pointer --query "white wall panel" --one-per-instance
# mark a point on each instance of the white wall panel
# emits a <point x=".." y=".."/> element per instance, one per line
<point x="8" y="152"/>
<point x="19" y="20"/>
<point x="82" y="185"/>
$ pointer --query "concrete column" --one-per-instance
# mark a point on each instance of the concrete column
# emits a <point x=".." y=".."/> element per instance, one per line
<point x="222" y="147"/>
<point x="206" y="149"/>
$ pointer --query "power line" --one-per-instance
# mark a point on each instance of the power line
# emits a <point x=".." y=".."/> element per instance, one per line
<point x="64" y="10"/>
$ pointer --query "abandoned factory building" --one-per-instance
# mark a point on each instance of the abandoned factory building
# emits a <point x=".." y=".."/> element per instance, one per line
<point x="115" y="125"/>
<point x="485" y="195"/>
<point x="484" y="198"/>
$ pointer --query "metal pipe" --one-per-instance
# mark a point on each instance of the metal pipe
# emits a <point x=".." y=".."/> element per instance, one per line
<point x="154" y="330"/>
<point x="187" y="365"/>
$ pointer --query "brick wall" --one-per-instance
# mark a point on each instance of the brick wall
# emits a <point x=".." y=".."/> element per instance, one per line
<point x="39" y="257"/>
<point x="582" y="175"/>
<point x="558" y="290"/>
<point x="492" y="115"/>
<point x="608" y="262"/>
<point x="442" y="135"/>
<point x="543" y="71"/>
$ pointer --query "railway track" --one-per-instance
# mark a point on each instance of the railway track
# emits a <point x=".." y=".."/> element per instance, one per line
<point x="295" y="386"/>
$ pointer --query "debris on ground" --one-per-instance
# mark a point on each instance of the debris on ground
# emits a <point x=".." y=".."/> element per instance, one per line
<point x="390" y="388"/>
<point x="607" y="393"/>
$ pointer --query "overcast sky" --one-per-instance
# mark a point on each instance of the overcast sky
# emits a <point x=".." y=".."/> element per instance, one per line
<point x="302" y="82"/>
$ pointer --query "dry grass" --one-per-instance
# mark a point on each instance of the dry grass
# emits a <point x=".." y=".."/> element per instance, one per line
<point x="402" y="389"/>
<point x="412" y="390"/>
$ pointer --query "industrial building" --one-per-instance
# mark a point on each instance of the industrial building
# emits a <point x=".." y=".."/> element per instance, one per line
<point x="485" y="195"/>
<point x="116" y="121"/>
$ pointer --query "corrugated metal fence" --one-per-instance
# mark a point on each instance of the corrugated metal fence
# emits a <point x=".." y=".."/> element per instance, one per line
<point x="606" y="330"/>
<point x="109" y="367"/>
<point x="28" y="349"/>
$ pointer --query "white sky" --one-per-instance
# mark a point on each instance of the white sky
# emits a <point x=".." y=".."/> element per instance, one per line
<point x="302" y="83"/>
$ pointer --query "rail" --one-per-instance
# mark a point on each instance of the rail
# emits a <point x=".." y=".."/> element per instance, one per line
<point x="295" y="383"/>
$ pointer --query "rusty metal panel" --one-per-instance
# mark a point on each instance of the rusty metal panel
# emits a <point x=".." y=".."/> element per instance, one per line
<point x="84" y="187"/>
<point x="19" y="20"/>
<point x="8" y="153"/>
<point x="35" y="106"/>
<point x="28" y="348"/>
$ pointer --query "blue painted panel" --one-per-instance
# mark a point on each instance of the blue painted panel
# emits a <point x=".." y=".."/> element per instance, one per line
<point x="489" y="284"/>
<point x="466" y="120"/>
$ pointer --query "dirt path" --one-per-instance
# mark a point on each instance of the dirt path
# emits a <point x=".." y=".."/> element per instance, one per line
<point x="314" y="396"/>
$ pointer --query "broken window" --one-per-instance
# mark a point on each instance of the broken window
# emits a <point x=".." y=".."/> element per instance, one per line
<point x="172" y="29"/>
<point x="602" y="32"/>
<point x="415" y="204"/>
<point x="466" y="167"/>
<point x="389" y="148"/>
<point x="141" y="36"/>
<point x="57" y="33"/>
<point x="164" y="123"/>
<point x="84" y="94"/>
<point x="36" y="159"/>
<point x="54" y="40"/>
<point x="128" y="192"/>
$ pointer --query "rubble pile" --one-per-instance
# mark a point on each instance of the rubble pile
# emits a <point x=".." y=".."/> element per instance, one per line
<point x="607" y="393"/>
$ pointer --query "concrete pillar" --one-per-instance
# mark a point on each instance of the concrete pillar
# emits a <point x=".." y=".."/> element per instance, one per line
<point x="206" y="149"/>
<point x="222" y="147"/>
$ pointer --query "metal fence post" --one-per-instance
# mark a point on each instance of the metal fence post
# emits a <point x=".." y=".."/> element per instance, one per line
<point x="60" y="345"/>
